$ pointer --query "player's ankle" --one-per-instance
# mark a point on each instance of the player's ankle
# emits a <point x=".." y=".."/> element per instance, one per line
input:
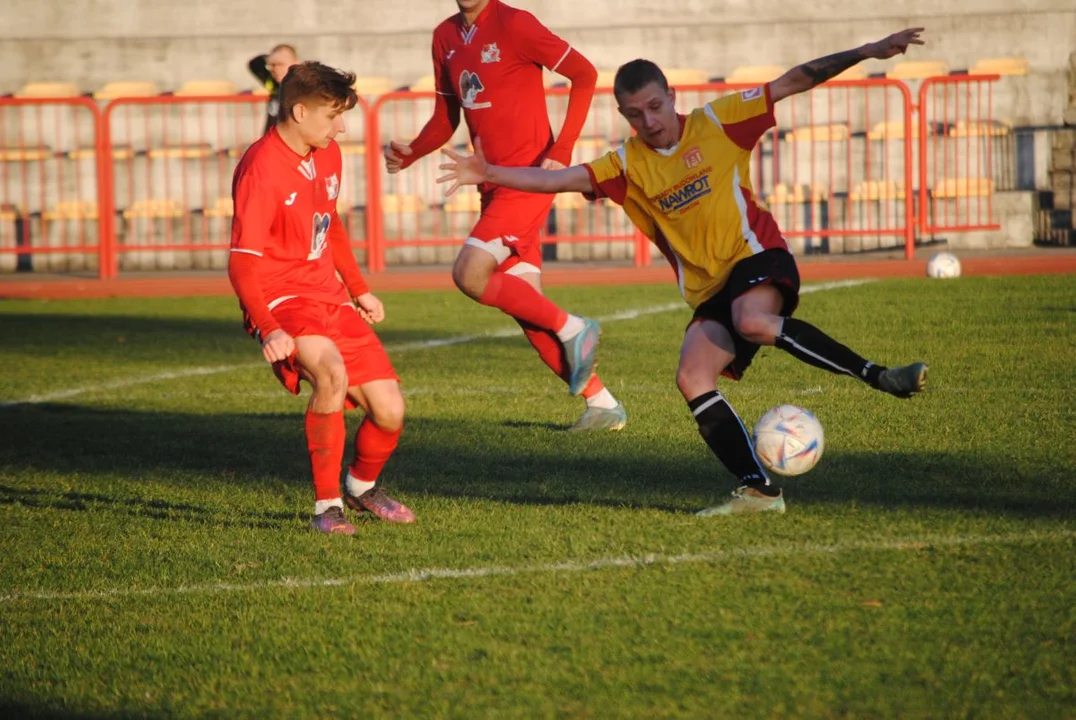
<point x="573" y="325"/>
<point x="321" y="506"/>
<point x="602" y="399"/>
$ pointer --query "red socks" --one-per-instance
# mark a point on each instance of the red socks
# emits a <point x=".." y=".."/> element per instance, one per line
<point x="373" y="448"/>
<point x="514" y="296"/>
<point x="325" y="433"/>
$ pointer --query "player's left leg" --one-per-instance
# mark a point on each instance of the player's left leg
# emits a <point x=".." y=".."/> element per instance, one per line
<point x="603" y="411"/>
<point x="375" y="442"/>
<point x="761" y="314"/>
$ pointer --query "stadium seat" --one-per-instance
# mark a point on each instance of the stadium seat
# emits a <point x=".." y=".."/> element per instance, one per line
<point x="154" y="208"/>
<point x="72" y="210"/>
<point x="686" y="76"/>
<point x="350" y="147"/>
<point x="917" y="70"/>
<point x="119" y="152"/>
<point x="221" y="208"/>
<point x="959" y="187"/>
<point x="206" y="88"/>
<point x="818" y="133"/>
<point x="25" y="154"/>
<point x="1000" y="66"/>
<point x="755" y="74"/>
<point x="371" y="86"/>
<point x="47" y="89"/>
<point x="877" y="190"/>
<point x="124" y="88"/>
<point x="979" y="128"/>
<point x="568" y="201"/>
<point x="191" y="151"/>
<point x="393" y="203"/>
<point x="606" y="78"/>
<point x="260" y="91"/>
<point x="891" y="130"/>
<point x="426" y="83"/>
<point x="464" y="202"/>
<point x="796" y="195"/>
<point x="856" y="72"/>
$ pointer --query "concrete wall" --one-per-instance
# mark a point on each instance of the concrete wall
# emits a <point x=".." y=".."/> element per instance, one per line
<point x="92" y="41"/>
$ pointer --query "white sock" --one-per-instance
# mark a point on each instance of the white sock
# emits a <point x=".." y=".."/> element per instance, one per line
<point x="356" y="487"/>
<point x="572" y="327"/>
<point x="604" y="400"/>
<point x="321" y="506"/>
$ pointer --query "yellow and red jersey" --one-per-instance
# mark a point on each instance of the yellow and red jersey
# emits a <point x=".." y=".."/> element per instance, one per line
<point x="695" y="200"/>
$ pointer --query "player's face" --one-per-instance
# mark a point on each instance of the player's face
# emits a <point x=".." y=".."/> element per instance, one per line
<point x="321" y="123"/>
<point x="279" y="63"/>
<point x="469" y="5"/>
<point x="651" y="112"/>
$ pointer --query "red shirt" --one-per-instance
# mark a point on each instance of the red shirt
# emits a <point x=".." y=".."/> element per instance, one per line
<point x="285" y="211"/>
<point x="494" y="68"/>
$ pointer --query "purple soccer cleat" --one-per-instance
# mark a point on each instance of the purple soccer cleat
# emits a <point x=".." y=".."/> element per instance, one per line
<point x="376" y="501"/>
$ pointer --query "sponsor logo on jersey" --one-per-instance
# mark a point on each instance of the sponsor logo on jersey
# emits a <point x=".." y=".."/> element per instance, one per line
<point x="693" y="158"/>
<point x="686" y="192"/>
<point x="318" y="235"/>
<point x="332" y="186"/>
<point x="491" y="53"/>
<point x="470" y="86"/>
<point x="751" y="94"/>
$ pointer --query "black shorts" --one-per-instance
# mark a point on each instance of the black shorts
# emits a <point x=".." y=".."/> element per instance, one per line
<point x="769" y="267"/>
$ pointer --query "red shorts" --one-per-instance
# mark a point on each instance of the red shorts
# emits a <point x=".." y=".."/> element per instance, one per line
<point x="363" y="354"/>
<point x="509" y="229"/>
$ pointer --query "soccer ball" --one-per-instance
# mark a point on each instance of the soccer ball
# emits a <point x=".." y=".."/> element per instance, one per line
<point x="943" y="265"/>
<point x="788" y="440"/>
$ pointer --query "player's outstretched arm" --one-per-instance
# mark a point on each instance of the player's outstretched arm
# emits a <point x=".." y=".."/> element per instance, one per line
<point x="474" y="170"/>
<point x="810" y="74"/>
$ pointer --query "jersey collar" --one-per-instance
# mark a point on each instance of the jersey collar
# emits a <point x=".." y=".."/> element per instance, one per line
<point x="468" y="31"/>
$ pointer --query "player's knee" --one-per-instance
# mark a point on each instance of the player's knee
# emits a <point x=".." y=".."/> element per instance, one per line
<point x="759" y="328"/>
<point x="470" y="282"/>
<point x="388" y="414"/>
<point x="689" y="378"/>
<point x="330" y="379"/>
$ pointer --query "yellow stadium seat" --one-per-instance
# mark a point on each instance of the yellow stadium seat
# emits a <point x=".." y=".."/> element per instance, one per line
<point x="393" y="203"/>
<point x="47" y="89"/>
<point x="9" y="212"/>
<point x="464" y="202"/>
<point x="877" y="190"/>
<point x="192" y="151"/>
<point x="755" y="74"/>
<point x="352" y="148"/>
<point x="958" y="187"/>
<point x="917" y="70"/>
<point x="979" y="128"/>
<point x="818" y="133"/>
<point x="426" y="83"/>
<point x="124" y="88"/>
<point x="1001" y="66"/>
<point x="207" y="88"/>
<point x="686" y="76"/>
<point x="25" y="154"/>
<point x="891" y="130"/>
<point x="119" y="152"/>
<point x="856" y="72"/>
<point x="260" y="91"/>
<point x="568" y="201"/>
<point x="221" y="208"/>
<point x="606" y="78"/>
<point x="72" y="210"/>
<point x="796" y="195"/>
<point x="374" y="85"/>
<point x="154" y="208"/>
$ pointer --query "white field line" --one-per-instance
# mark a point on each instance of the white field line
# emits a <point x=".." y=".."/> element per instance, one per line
<point x="396" y="348"/>
<point x="419" y="575"/>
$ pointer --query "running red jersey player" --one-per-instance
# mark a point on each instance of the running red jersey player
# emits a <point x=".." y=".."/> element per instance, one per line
<point x="288" y="244"/>
<point x="488" y="61"/>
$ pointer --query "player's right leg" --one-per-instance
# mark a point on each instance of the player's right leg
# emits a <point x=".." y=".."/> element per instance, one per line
<point x="319" y="362"/>
<point x="707" y="351"/>
<point x="374" y="444"/>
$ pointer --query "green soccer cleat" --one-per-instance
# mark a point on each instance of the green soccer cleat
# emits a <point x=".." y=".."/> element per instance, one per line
<point x="904" y="381"/>
<point x="596" y="418"/>
<point x="746" y="500"/>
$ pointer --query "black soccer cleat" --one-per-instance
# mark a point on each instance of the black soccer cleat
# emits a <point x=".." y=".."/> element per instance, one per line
<point x="904" y="381"/>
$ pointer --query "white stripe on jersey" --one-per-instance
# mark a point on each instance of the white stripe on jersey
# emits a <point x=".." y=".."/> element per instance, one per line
<point x="248" y="252"/>
<point x="554" y="68"/>
<point x="741" y="205"/>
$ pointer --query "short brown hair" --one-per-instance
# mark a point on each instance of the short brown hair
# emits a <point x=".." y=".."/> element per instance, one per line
<point x="634" y="76"/>
<point x="285" y="46"/>
<point x="311" y="81"/>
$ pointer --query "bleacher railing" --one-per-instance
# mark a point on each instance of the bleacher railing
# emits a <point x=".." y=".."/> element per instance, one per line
<point x="145" y="183"/>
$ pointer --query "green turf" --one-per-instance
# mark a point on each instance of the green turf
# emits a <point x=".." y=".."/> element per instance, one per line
<point x="156" y="562"/>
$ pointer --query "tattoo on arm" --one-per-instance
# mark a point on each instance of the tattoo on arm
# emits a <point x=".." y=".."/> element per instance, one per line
<point x="831" y="66"/>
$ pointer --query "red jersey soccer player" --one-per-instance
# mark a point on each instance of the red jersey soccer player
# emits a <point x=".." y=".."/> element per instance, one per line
<point x="488" y="60"/>
<point x="288" y="244"/>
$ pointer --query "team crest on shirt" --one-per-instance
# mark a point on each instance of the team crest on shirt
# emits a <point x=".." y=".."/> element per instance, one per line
<point x="318" y="235"/>
<point x="470" y="86"/>
<point x="332" y="186"/>
<point x="693" y="158"/>
<point x="751" y="94"/>
<point x="491" y="53"/>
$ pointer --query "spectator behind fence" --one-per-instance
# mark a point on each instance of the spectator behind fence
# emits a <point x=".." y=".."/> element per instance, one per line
<point x="270" y="70"/>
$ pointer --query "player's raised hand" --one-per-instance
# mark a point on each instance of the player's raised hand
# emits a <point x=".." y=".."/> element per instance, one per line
<point x="277" y="346"/>
<point x="466" y="170"/>
<point x="370" y="308"/>
<point x="395" y="154"/>
<point x="895" y="44"/>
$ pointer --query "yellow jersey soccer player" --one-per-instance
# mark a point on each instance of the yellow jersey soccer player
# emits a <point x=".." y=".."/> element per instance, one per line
<point x="684" y="181"/>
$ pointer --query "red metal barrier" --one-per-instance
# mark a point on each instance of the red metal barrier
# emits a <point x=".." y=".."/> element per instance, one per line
<point x="957" y="135"/>
<point x="50" y="208"/>
<point x="168" y="175"/>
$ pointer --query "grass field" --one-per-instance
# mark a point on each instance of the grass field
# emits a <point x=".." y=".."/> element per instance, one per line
<point x="154" y="501"/>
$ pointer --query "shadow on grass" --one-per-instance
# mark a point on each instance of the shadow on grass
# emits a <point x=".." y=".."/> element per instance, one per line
<point x="521" y="462"/>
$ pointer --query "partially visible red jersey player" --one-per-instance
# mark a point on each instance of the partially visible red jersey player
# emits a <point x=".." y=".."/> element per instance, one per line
<point x="488" y="60"/>
<point x="288" y="244"/>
